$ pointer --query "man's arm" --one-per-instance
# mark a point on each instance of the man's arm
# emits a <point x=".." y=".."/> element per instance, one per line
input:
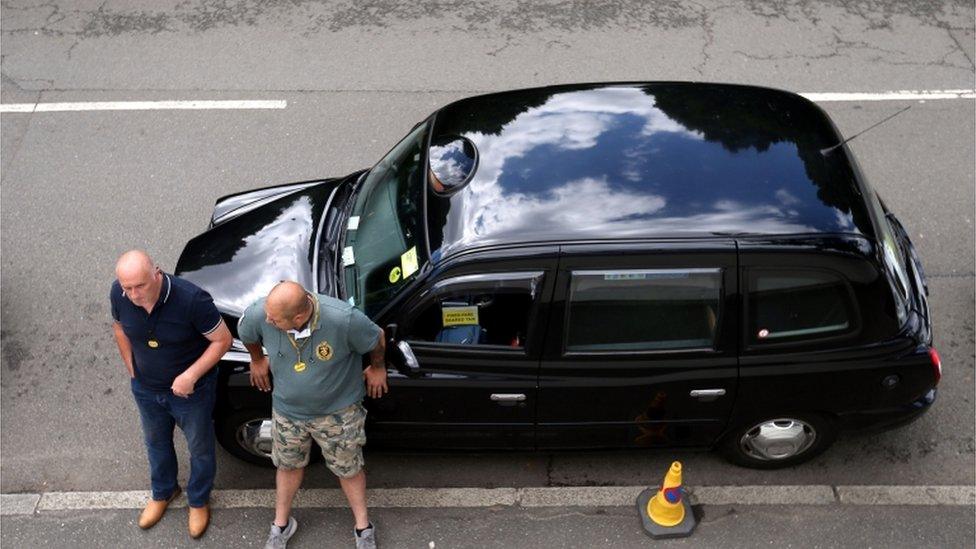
<point x="249" y="331"/>
<point x="375" y="373"/>
<point x="220" y="340"/>
<point x="259" y="367"/>
<point x="125" y="347"/>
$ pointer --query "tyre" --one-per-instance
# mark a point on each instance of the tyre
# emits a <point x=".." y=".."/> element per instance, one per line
<point x="246" y="434"/>
<point x="776" y="441"/>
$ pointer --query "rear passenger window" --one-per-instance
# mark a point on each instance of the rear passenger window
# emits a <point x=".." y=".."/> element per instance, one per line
<point x="643" y="310"/>
<point x="798" y="305"/>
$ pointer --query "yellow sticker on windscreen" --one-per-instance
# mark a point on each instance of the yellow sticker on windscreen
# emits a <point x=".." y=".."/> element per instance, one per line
<point x="408" y="260"/>
<point x="459" y="316"/>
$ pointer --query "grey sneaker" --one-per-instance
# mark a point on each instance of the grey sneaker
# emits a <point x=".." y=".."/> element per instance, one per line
<point x="278" y="539"/>
<point x="366" y="540"/>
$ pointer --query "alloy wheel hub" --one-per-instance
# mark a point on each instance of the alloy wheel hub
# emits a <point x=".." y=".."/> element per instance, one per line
<point x="778" y="439"/>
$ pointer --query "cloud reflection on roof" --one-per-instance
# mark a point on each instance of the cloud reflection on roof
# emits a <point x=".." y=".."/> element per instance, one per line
<point x="609" y="162"/>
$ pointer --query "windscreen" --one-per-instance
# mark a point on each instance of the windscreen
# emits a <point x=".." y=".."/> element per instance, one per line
<point x="383" y="244"/>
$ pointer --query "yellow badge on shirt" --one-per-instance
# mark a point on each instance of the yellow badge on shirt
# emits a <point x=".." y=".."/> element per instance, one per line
<point x="324" y="351"/>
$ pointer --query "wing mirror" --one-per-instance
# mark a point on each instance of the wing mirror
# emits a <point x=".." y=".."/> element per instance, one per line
<point x="452" y="162"/>
<point x="400" y="355"/>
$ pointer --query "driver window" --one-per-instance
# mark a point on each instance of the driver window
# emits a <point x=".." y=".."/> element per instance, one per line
<point x="490" y="313"/>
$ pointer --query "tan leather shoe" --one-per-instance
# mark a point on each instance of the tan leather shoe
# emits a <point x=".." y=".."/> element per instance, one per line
<point x="199" y="520"/>
<point x="154" y="510"/>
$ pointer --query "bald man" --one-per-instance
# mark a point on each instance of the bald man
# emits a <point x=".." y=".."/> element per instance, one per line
<point x="315" y="345"/>
<point x="170" y="336"/>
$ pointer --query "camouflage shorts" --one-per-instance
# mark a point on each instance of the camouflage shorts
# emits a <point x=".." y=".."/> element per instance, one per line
<point x="341" y="435"/>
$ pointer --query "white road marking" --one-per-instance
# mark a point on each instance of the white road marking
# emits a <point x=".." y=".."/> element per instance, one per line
<point x="900" y="95"/>
<point x="568" y="496"/>
<point x="905" y="495"/>
<point x="767" y="495"/>
<point x="18" y="107"/>
<point x="18" y="504"/>
<point x="142" y="106"/>
<point x="819" y="97"/>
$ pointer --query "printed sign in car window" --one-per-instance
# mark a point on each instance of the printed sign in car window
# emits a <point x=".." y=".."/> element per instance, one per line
<point x="459" y="316"/>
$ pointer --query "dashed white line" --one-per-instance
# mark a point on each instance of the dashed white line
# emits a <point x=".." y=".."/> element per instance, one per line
<point x="900" y="95"/>
<point x="141" y="106"/>
<point x="906" y="495"/>
<point x="18" y="107"/>
<point x="818" y="97"/>
<point x="567" y="496"/>
<point x="18" y="504"/>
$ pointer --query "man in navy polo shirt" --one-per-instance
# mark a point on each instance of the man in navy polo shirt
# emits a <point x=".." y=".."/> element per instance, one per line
<point x="170" y="336"/>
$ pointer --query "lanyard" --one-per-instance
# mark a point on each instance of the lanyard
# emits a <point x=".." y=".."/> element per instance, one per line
<point x="151" y="341"/>
<point x="299" y="365"/>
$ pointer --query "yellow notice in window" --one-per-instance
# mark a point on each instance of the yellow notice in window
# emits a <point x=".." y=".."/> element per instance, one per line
<point x="408" y="260"/>
<point x="459" y="316"/>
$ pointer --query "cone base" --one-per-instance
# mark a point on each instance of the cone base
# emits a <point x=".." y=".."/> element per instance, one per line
<point x="655" y="530"/>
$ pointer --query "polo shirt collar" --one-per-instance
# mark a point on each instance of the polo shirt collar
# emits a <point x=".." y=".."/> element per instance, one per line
<point x="169" y="286"/>
<point x="309" y="328"/>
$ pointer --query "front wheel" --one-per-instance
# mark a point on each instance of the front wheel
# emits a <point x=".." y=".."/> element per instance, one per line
<point x="778" y="440"/>
<point x="246" y="434"/>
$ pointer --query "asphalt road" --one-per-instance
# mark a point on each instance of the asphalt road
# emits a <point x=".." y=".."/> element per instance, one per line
<point x="78" y="188"/>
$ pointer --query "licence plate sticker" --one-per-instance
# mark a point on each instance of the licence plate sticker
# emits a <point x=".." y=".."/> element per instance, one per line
<point x="409" y="262"/>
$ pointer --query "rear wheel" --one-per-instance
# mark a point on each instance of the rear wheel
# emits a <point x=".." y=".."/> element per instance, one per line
<point x="246" y="434"/>
<point x="778" y="441"/>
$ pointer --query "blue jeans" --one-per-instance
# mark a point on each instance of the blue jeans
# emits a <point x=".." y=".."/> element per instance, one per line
<point x="160" y="411"/>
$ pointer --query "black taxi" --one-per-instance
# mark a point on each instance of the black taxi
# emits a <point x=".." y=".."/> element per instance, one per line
<point x="643" y="265"/>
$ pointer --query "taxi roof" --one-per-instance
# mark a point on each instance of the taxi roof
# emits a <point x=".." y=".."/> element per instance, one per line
<point x="644" y="160"/>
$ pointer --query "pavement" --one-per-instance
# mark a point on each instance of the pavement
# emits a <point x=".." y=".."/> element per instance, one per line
<point x="79" y="187"/>
<point x="571" y="527"/>
<point x="730" y="516"/>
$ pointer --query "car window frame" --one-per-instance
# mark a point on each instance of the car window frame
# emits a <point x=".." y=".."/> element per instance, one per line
<point x="535" y="276"/>
<point x="720" y="316"/>
<point x="748" y="345"/>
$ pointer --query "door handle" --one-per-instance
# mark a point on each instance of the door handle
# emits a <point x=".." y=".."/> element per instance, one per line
<point x="507" y="397"/>
<point x="707" y="395"/>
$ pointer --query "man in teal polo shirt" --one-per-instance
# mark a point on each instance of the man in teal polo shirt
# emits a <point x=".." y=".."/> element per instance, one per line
<point x="314" y="345"/>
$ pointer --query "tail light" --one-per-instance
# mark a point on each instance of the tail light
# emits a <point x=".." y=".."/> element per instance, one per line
<point x="936" y="364"/>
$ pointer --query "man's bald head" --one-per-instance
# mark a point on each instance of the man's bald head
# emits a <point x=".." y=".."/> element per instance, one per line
<point x="139" y="277"/>
<point x="288" y="305"/>
<point x="134" y="263"/>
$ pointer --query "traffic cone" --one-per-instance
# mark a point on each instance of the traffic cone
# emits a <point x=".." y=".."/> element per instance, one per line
<point x="666" y="513"/>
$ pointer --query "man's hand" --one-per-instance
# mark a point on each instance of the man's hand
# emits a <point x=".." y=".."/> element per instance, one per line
<point x="260" y="377"/>
<point x="183" y="384"/>
<point x="375" y="381"/>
